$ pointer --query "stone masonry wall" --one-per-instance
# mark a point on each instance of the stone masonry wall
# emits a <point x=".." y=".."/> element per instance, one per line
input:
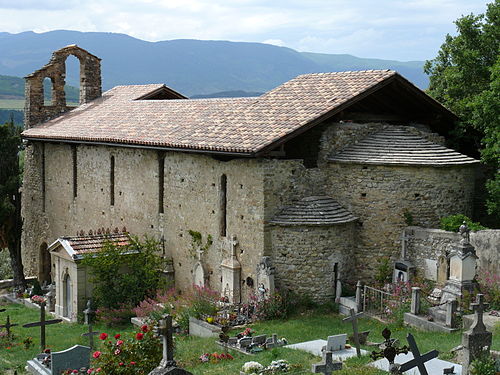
<point x="192" y="190"/>
<point x="387" y="198"/>
<point x="425" y="246"/>
<point x="305" y="257"/>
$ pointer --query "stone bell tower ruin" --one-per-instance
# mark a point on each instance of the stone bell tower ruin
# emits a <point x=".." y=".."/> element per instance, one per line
<point x="35" y="110"/>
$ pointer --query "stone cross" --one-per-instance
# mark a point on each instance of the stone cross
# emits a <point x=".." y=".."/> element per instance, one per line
<point x="199" y="253"/>
<point x="165" y="330"/>
<point x="354" y="319"/>
<point x="8" y="325"/>
<point x="478" y="307"/>
<point x="232" y="242"/>
<point x="88" y="312"/>
<point x="326" y="366"/>
<point x="42" y="323"/>
<point x="418" y="360"/>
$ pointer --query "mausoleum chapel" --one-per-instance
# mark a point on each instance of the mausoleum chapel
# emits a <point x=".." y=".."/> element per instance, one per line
<point x="305" y="185"/>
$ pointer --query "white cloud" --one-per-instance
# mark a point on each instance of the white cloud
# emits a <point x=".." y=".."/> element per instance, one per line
<point x="410" y="29"/>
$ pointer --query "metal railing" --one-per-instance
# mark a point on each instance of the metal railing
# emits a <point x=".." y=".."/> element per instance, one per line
<point x="376" y="301"/>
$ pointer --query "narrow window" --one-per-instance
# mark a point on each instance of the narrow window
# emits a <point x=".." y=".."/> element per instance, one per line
<point x="43" y="177"/>
<point x="112" y="181"/>
<point x="223" y="205"/>
<point x="75" y="170"/>
<point x="161" y="181"/>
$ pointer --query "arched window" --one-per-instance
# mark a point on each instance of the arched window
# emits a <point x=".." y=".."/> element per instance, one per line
<point x="67" y="296"/>
<point x="48" y="92"/>
<point x="72" y="81"/>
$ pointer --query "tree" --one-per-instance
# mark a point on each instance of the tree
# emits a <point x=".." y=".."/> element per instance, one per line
<point x="10" y="198"/>
<point x="465" y="76"/>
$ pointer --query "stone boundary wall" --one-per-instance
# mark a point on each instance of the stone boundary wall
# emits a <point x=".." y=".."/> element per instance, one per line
<point x="429" y="244"/>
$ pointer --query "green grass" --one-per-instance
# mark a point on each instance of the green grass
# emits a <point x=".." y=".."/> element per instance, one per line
<point x="308" y="326"/>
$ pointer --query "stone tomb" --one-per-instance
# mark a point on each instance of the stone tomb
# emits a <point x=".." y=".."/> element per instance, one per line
<point x="73" y="358"/>
<point x="434" y="366"/>
<point x="252" y="345"/>
<point x="335" y="344"/>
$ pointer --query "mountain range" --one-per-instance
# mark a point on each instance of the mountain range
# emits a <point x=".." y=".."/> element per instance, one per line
<point x="192" y="67"/>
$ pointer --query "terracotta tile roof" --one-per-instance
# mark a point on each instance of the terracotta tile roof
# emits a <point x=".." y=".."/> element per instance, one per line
<point x="315" y="210"/>
<point x="235" y="125"/>
<point x="81" y="245"/>
<point x="399" y="146"/>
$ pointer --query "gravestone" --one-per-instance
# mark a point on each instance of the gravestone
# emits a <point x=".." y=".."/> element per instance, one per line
<point x="259" y="340"/>
<point x="231" y="273"/>
<point x="198" y="270"/>
<point x="336" y="342"/>
<point x="245" y="342"/>
<point x="327" y="365"/>
<point x="167" y="364"/>
<point x="75" y="357"/>
<point x="477" y="340"/>
<point x="265" y="278"/>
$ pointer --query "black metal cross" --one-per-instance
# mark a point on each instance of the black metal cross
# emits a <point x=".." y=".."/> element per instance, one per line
<point x="165" y="331"/>
<point x="42" y="323"/>
<point x="389" y="350"/>
<point x="418" y="360"/>
<point x="354" y="319"/>
<point x="8" y="325"/>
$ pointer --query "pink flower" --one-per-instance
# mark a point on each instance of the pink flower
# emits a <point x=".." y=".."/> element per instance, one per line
<point x="90" y="370"/>
<point x="119" y="342"/>
<point x="117" y="351"/>
<point x="139" y="336"/>
<point x="120" y="364"/>
<point x="103" y="336"/>
<point x="96" y="355"/>
<point x="132" y="363"/>
<point x="75" y="371"/>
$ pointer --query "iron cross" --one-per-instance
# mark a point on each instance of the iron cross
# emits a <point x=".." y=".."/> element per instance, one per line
<point x="478" y="307"/>
<point x="418" y="360"/>
<point x="165" y="331"/>
<point x="327" y="366"/>
<point x="42" y="323"/>
<point x="354" y="319"/>
<point x="8" y="325"/>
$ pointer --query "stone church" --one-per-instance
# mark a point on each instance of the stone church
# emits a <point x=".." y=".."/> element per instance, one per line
<point x="314" y="180"/>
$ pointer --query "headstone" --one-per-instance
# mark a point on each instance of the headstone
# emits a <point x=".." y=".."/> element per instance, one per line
<point x="265" y="277"/>
<point x="354" y="319"/>
<point x="199" y="270"/>
<point x="42" y="323"/>
<point x="231" y="274"/>
<point x="8" y="325"/>
<point x="418" y="360"/>
<point x="336" y="342"/>
<point x="273" y="342"/>
<point x="415" y="300"/>
<point x="477" y="340"/>
<point x="259" y="340"/>
<point x="75" y="357"/>
<point x="245" y="342"/>
<point x="167" y="364"/>
<point x="451" y="313"/>
<point x="326" y="366"/>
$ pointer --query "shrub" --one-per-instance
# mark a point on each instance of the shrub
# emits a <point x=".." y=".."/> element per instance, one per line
<point x="452" y="223"/>
<point x="5" y="266"/>
<point x="115" y="316"/>
<point x="278" y="306"/>
<point x="383" y="270"/>
<point x="484" y="365"/>
<point x="126" y="275"/>
<point x="137" y="353"/>
<point x="489" y="284"/>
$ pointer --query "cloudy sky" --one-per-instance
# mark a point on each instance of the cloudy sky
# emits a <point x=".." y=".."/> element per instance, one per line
<point x="389" y="29"/>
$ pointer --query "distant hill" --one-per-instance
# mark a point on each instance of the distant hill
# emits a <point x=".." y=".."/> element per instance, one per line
<point x="228" y="94"/>
<point x="12" y="88"/>
<point x="192" y="67"/>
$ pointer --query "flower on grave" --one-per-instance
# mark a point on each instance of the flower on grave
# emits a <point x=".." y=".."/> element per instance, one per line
<point x="252" y="367"/>
<point x="119" y="342"/>
<point x="280" y="365"/>
<point x="205" y="357"/>
<point x="96" y="354"/>
<point x="38" y="299"/>
<point x="103" y="336"/>
<point x="117" y="336"/>
<point x="139" y="336"/>
<point x="144" y="328"/>
<point x="248" y="332"/>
